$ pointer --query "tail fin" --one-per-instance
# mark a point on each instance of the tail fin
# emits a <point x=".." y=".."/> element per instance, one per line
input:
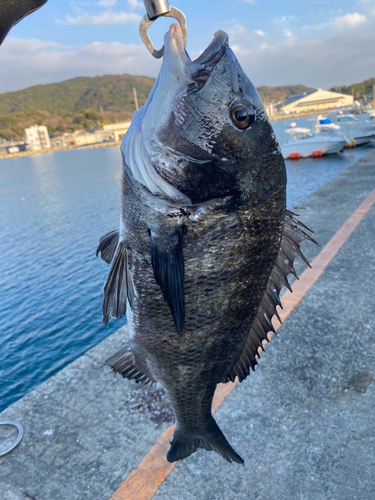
<point x="184" y="444"/>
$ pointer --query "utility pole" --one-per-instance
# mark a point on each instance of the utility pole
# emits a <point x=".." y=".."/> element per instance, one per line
<point x="135" y="98"/>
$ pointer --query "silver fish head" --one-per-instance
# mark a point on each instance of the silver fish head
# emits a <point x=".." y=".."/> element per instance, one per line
<point x="204" y="126"/>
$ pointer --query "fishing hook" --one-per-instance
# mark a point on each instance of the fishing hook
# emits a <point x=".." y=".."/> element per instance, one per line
<point x="155" y="9"/>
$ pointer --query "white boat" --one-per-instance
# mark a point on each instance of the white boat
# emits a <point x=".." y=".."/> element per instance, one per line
<point x="361" y="131"/>
<point x="327" y="128"/>
<point x="303" y="143"/>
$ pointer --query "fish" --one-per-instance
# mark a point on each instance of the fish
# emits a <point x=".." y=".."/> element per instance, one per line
<point x="13" y="11"/>
<point x="205" y="242"/>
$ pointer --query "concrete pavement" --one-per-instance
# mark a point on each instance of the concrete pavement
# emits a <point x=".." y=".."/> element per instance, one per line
<point x="303" y="422"/>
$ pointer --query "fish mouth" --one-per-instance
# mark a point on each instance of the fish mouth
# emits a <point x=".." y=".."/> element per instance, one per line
<point x="201" y="68"/>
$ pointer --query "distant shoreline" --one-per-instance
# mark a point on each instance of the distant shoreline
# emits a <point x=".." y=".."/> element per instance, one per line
<point x="61" y="148"/>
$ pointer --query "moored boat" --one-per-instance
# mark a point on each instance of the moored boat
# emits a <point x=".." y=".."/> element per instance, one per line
<point x="303" y="143"/>
<point x="361" y="131"/>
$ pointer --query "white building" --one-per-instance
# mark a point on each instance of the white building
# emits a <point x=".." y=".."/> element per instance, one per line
<point x="314" y="100"/>
<point x="118" y="130"/>
<point x="37" y="138"/>
<point x="83" y="138"/>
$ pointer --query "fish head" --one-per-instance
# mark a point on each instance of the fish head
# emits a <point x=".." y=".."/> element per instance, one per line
<point x="205" y="128"/>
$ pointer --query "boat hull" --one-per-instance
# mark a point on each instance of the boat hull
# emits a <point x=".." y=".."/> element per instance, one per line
<point x="297" y="149"/>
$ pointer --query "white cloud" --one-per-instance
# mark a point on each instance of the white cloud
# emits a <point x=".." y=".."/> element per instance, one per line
<point x="349" y="20"/>
<point x="290" y="38"/>
<point x="345" y="58"/>
<point x="338" y="23"/>
<point x="31" y="62"/>
<point x="246" y="40"/>
<point x="285" y="19"/>
<point x="250" y="1"/>
<point x="103" y="18"/>
<point x="367" y="6"/>
<point x="134" y="4"/>
<point x="236" y="29"/>
<point x="107" y="3"/>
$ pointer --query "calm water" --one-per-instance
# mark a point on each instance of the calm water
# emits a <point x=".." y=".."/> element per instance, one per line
<point x="54" y="208"/>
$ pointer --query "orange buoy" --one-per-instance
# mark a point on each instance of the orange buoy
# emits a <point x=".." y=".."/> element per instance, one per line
<point x="316" y="154"/>
<point x="294" y="156"/>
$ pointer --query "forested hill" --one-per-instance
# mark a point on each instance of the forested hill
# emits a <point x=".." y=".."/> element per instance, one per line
<point x="112" y="92"/>
<point x="356" y="89"/>
<point x="277" y="94"/>
<point x="84" y="102"/>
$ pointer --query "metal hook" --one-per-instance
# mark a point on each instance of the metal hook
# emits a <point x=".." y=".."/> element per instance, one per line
<point x="155" y="9"/>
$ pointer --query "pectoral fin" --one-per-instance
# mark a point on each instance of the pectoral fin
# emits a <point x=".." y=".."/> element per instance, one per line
<point x="107" y="245"/>
<point x="169" y="270"/>
<point x="119" y="286"/>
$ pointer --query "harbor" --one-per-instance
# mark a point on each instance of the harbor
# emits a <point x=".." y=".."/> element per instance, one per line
<point x="302" y="421"/>
<point x="187" y="200"/>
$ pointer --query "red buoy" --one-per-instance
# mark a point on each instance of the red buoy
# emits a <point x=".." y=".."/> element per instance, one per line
<point x="316" y="154"/>
<point x="294" y="156"/>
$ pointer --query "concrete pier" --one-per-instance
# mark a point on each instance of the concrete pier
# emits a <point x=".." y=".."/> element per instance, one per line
<point x="303" y="422"/>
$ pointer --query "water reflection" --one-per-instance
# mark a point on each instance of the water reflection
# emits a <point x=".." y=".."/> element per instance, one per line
<point x="50" y="280"/>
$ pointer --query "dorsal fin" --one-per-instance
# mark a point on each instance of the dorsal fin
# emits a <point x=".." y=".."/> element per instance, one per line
<point x="107" y="245"/>
<point x="291" y="240"/>
<point x="118" y="287"/>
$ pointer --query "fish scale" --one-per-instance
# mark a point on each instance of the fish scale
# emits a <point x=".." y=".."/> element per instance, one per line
<point x="204" y="249"/>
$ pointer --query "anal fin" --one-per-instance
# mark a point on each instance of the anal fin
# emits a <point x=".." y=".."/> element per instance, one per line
<point x="124" y="363"/>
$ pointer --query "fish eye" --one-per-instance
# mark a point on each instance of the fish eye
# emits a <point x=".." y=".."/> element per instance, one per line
<point x="242" y="114"/>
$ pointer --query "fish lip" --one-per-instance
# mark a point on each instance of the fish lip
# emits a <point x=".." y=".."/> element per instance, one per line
<point x="214" y="51"/>
<point x="201" y="68"/>
<point x="174" y="46"/>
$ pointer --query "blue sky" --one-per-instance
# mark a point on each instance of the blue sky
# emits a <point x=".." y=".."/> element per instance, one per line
<point x="318" y="43"/>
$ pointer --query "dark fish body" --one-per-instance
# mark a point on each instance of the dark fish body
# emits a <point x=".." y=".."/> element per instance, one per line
<point x="205" y="242"/>
<point x="13" y="11"/>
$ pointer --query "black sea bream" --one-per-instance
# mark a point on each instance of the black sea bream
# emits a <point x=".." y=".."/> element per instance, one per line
<point x="205" y="242"/>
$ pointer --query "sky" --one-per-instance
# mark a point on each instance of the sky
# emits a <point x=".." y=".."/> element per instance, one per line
<point x="316" y="43"/>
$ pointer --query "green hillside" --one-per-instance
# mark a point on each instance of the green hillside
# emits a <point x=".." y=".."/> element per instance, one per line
<point x="277" y="94"/>
<point x="84" y="102"/>
<point x="73" y="104"/>
<point x="112" y="92"/>
<point x="358" y="89"/>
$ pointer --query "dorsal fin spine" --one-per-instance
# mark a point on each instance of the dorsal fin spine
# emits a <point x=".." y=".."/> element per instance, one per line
<point x="289" y="249"/>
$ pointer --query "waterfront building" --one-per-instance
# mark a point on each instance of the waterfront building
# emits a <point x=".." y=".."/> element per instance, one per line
<point x="37" y="138"/>
<point x="85" y="138"/>
<point x="118" y="130"/>
<point x="314" y="100"/>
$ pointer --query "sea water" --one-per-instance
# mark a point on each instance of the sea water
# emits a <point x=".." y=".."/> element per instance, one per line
<point x="53" y="209"/>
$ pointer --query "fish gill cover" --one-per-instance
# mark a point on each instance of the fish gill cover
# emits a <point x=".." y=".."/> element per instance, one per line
<point x="205" y="242"/>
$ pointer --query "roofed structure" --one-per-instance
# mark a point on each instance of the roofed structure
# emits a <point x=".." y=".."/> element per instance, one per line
<point x="314" y="100"/>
